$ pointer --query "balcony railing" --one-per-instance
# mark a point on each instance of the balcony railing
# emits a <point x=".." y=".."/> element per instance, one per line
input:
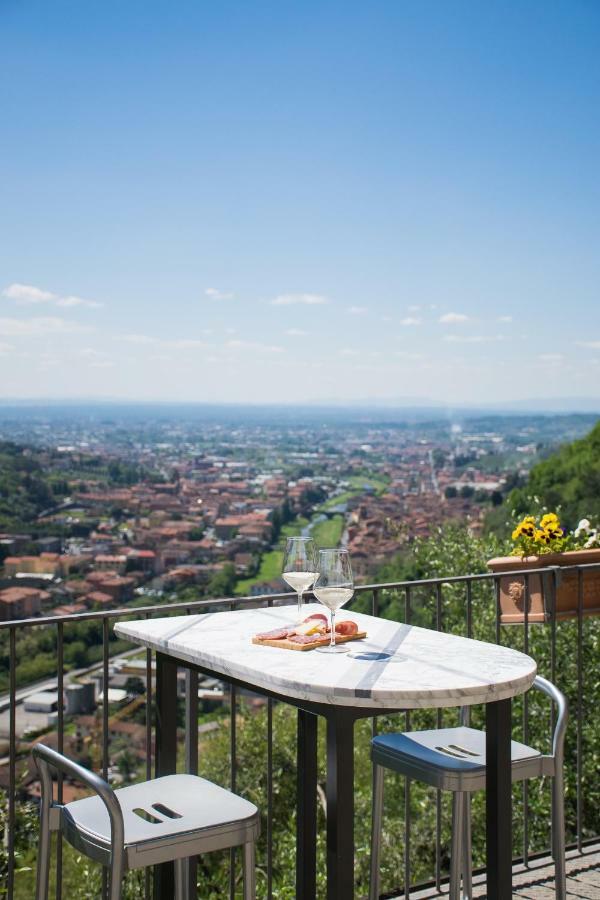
<point x="567" y="652"/>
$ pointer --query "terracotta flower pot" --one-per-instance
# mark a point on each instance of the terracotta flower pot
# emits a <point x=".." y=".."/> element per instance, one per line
<point x="541" y="586"/>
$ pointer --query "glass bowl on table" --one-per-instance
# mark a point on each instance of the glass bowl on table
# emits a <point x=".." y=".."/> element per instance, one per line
<point x="300" y="562"/>
<point x="334" y="587"/>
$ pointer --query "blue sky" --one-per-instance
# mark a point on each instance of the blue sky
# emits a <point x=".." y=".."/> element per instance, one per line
<point x="277" y="201"/>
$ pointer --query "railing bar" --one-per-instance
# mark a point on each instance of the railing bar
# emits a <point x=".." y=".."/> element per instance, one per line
<point x="374" y="612"/>
<point x="579" y="709"/>
<point x="191" y="756"/>
<point x="498" y="609"/>
<point x="105" y="639"/>
<point x="60" y="747"/>
<point x="12" y="760"/>
<point x="148" y="871"/>
<point x="269" y="792"/>
<point x="525" y="787"/>
<point x="233" y="757"/>
<point x="438" y="793"/>
<point x="105" y="676"/>
<point x="226" y="601"/>
<point x="469" y="609"/>
<point x="407" y="815"/>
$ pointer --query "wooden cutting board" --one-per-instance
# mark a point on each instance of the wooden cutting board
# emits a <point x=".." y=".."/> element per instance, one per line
<point x="286" y="644"/>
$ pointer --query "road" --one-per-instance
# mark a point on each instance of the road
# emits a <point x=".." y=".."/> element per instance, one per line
<point x="50" y="684"/>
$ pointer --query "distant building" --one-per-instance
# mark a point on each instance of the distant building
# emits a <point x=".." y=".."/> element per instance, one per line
<point x="21" y="603"/>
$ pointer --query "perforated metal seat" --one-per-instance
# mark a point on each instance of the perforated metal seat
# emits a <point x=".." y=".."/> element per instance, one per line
<point x="169" y="818"/>
<point x="454" y="759"/>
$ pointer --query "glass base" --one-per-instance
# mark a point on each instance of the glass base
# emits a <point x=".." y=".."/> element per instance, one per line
<point x="337" y="648"/>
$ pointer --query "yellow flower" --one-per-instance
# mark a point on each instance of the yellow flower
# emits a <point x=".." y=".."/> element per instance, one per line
<point x="550" y="520"/>
<point x="542" y="536"/>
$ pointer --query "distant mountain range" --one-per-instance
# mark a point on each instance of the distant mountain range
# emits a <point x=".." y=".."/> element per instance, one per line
<point x="411" y="408"/>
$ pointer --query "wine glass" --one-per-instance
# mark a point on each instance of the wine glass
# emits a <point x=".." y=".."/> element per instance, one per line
<point x="333" y="588"/>
<point x="300" y="565"/>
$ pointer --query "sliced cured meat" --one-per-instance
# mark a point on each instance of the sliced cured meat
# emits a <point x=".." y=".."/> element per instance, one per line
<point x="304" y="638"/>
<point x="346" y="627"/>
<point x="317" y="616"/>
<point x="278" y="634"/>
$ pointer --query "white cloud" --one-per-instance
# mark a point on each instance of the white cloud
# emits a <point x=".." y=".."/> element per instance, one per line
<point x="550" y="357"/>
<point x="216" y="294"/>
<point x="504" y="319"/>
<point x="102" y="364"/>
<point x="299" y="299"/>
<point x="136" y="338"/>
<point x="405" y="354"/>
<point x="27" y="294"/>
<point x="6" y="348"/>
<point x="592" y="345"/>
<point x="348" y="351"/>
<point x="357" y="310"/>
<point x="453" y="318"/>
<point x="253" y="345"/>
<point x="411" y="320"/>
<point x="296" y="332"/>
<point x="472" y="339"/>
<point x="90" y="353"/>
<point x="186" y="344"/>
<point x="414" y="308"/>
<point x="77" y="301"/>
<point x="38" y="326"/>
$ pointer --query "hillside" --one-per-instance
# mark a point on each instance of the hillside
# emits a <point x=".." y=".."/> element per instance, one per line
<point x="24" y="486"/>
<point x="569" y="478"/>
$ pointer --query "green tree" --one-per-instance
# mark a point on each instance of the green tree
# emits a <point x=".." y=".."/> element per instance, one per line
<point x="568" y="479"/>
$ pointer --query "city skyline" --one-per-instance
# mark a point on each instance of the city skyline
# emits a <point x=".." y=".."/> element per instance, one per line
<point x="321" y="204"/>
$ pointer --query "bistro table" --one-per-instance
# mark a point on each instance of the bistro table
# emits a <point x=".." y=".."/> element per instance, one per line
<point x="397" y="667"/>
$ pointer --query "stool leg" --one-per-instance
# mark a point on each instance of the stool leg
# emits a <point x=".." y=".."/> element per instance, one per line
<point x="117" y="871"/>
<point x="458" y="809"/>
<point x="467" y="872"/>
<point x="181" y="881"/>
<point x="43" y="860"/>
<point x="249" y="871"/>
<point x="558" y="833"/>
<point x="376" y="814"/>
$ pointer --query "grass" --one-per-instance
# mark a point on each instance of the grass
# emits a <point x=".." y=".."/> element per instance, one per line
<point x="378" y="484"/>
<point x="326" y="534"/>
<point x="357" y="485"/>
<point x="329" y="532"/>
<point x="270" y="563"/>
<point x="337" y="500"/>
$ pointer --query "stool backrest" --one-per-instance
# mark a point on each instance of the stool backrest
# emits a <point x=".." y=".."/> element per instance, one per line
<point x="47" y="759"/>
<point x="562" y="716"/>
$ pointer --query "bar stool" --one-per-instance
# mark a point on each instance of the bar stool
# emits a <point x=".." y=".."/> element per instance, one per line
<point x="166" y="819"/>
<point x="453" y="759"/>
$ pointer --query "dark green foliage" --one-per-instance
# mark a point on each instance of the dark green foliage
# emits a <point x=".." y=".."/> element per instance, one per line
<point x="568" y="479"/>
<point x="24" y="487"/>
<point x="223" y="583"/>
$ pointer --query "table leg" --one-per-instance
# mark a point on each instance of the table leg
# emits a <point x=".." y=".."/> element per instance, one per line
<point x="340" y="805"/>
<point x="165" y="753"/>
<point x="306" y="822"/>
<point x="498" y="800"/>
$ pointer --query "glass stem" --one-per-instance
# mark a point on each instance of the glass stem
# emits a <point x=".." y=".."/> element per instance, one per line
<point x="299" y="603"/>
<point x="332" y="642"/>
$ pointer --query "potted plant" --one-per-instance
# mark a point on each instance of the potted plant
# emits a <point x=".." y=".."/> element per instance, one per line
<point x="540" y="544"/>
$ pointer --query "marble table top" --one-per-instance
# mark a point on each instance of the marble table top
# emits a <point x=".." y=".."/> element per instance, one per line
<point x="424" y="669"/>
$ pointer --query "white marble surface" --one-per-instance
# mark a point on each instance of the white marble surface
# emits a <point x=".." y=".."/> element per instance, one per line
<point x="426" y="669"/>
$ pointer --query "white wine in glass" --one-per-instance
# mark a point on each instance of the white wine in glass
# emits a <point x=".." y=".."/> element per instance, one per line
<point x="333" y="588"/>
<point x="300" y="565"/>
